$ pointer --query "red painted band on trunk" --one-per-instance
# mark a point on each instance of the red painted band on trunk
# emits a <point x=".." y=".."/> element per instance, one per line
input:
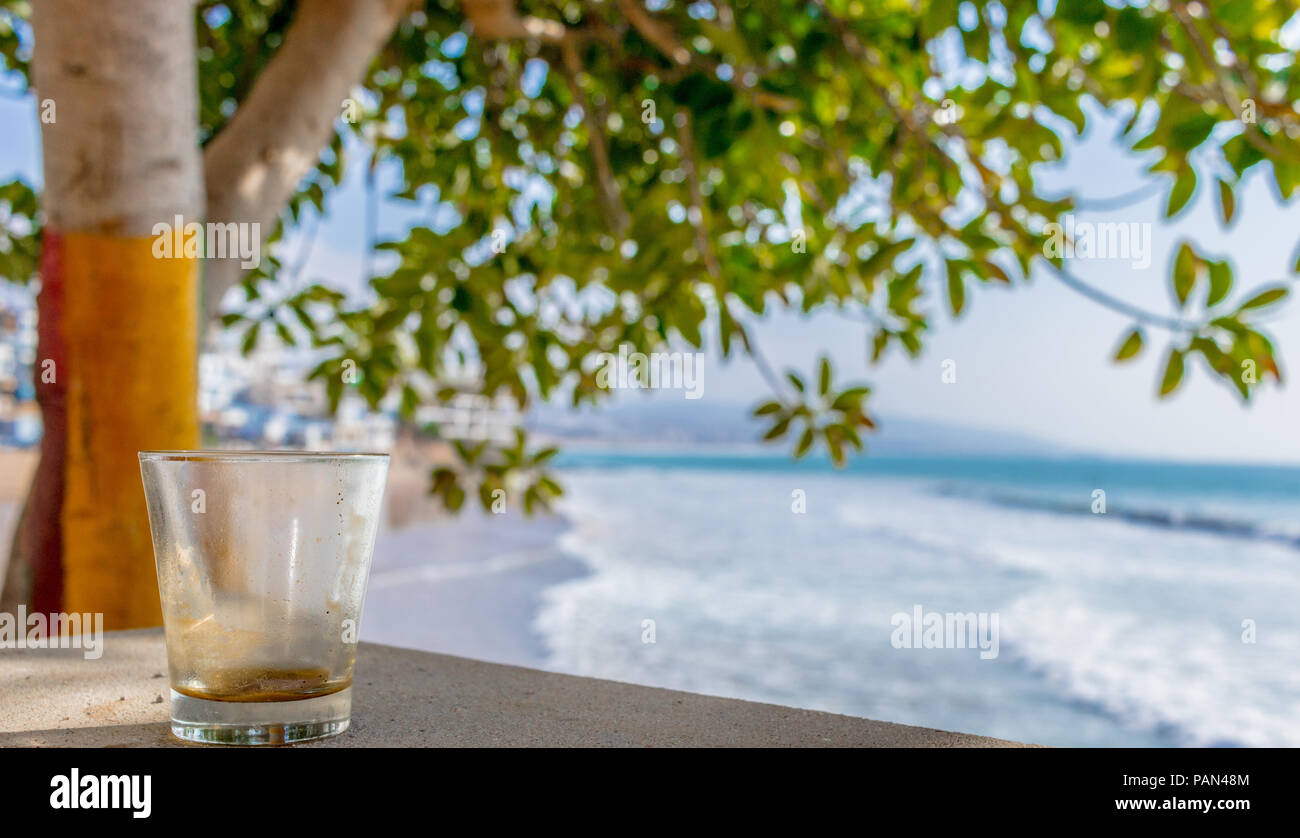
<point x="43" y="531"/>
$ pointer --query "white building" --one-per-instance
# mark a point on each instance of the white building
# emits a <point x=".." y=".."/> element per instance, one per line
<point x="472" y="418"/>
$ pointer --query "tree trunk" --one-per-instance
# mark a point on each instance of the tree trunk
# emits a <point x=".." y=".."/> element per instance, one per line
<point x="120" y="325"/>
<point x="275" y="137"/>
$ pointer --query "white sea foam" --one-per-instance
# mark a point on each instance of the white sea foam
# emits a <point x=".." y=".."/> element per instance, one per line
<point x="1191" y="677"/>
<point x="1112" y="632"/>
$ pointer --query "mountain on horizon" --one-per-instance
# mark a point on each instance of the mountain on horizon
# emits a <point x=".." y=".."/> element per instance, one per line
<point x="665" y="423"/>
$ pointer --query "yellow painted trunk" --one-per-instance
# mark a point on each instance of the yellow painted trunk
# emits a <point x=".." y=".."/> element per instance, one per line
<point x="131" y="331"/>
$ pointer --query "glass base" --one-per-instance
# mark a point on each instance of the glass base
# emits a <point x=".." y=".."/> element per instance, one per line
<point x="260" y="722"/>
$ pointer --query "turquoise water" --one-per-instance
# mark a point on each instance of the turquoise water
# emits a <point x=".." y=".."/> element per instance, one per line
<point x="1169" y="618"/>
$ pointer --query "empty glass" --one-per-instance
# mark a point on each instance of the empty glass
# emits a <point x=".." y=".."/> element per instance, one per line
<point x="262" y="565"/>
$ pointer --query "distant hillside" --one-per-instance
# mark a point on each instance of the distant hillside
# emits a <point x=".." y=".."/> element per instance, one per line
<point x="636" y="422"/>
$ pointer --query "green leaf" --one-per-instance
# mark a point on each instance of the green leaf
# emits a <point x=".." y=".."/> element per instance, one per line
<point x="1220" y="282"/>
<point x="824" y="377"/>
<point x="250" y="338"/>
<point x="956" y="292"/>
<point x="282" y="331"/>
<point x="1241" y="153"/>
<point x="854" y="439"/>
<point x="1131" y="346"/>
<point x="1084" y="12"/>
<point x="1192" y="130"/>
<point x="1227" y="202"/>
<point x="884" y="256"/>
<point x="1185" y="264"/>
<point x="1287" y="175"/>
<point x="1264" y="298"/>
<point x="778" y="430"/>
<point x="1135" y="32"/>
<point x="850" y="398"/>
<point x="878" y="343"/>
<point x="303" y="318"/>
<point x="485" y="495"/>
<point x="1184" y="188"/>
<point x="835" y="445"/>
<point x="1173" y="373"/>
<point x="805" y="442"/>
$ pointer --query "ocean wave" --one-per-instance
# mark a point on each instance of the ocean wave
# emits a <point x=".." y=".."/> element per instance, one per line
<point x="1110" y="635"/>
<point x="1169" y="519"/>
<point x="1182" y="682"/>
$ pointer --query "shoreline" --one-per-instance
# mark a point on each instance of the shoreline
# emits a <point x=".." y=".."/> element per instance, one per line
<point x="469" y="586"/>
<point x="17" y="465"/>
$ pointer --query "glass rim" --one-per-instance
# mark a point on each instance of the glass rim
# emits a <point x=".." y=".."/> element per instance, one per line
<point x="219" y="455"/>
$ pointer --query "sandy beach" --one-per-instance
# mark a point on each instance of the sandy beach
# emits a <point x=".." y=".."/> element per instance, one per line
<point x="16" y="467"/>
<point x="468" y="586"/>
<point x="464" y="585"/>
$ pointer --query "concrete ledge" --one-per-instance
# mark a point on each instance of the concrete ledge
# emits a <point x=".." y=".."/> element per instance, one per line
<point x="406" y="698"/>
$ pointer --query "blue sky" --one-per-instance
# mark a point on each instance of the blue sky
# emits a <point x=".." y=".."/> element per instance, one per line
<point x="1031" y="359"/>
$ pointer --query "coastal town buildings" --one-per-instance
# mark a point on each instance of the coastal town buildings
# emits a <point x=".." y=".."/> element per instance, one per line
<point x="20" y="419"/>
<point x="260" y="400"/>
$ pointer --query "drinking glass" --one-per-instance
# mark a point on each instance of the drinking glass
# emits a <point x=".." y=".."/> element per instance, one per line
<point x="262" y="564"/>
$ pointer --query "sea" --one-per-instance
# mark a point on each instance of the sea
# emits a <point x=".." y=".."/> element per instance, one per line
<point x="1132" y="603"/>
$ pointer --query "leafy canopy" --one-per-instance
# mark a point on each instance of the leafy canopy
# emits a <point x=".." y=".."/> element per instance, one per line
<point x="666" y="172"/>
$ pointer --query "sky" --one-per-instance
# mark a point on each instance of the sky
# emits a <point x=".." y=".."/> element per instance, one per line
<point x="1031" y="359"/>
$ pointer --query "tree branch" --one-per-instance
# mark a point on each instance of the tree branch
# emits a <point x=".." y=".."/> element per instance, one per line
<point x="700" y="222"/>
<point x="498" y="20"/>
<point x="662" y="39"/>
<point x="597" y="143"/>
<point x="254" y="165"/>
<point x="1115" y="304"/>
<point x="1223" y="87"/>
<point x="372" y="220"/>
<point x="659" y="36"/>
<point x="755" y="353"/>
<point x="1114" y="202"/>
